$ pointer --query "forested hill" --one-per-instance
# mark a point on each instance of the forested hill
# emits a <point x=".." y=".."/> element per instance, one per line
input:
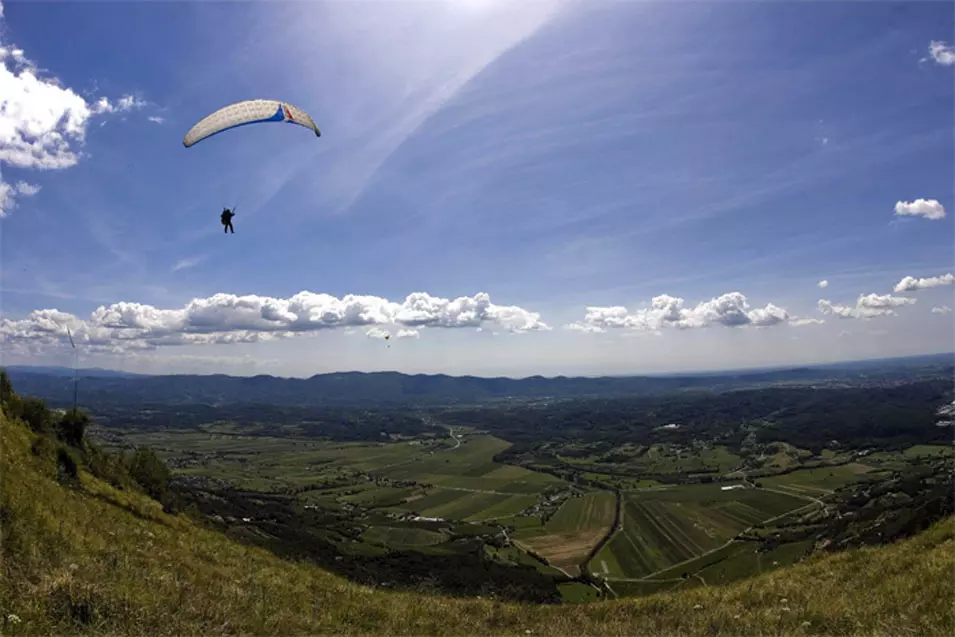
<point x="358" y="388"/>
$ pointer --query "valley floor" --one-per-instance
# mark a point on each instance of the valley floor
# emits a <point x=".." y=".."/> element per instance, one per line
<point x="96" y="559"/>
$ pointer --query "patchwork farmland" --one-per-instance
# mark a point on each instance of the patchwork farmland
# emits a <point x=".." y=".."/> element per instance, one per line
<point x="572" y="531"/>
<point x="666" y="527"/>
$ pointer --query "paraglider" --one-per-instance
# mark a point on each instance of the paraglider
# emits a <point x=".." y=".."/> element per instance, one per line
<point x="242" y="113"/>
<point x="246" y="112"/>
<point x="227" y="220"/>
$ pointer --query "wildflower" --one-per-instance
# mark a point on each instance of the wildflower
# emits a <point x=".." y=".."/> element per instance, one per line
<point x="13" y="619"/>
<point x="698" y="607"/>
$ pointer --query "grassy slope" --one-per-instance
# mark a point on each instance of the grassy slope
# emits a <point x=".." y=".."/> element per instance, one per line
<point x="116" y="558"/>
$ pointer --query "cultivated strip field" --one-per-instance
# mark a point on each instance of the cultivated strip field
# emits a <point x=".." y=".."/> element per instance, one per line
<point x="463" y="505"/>
<point x="818" y="481"/>
<point x="573" y="530"/>
<point x="470" y="466"/>
<point x="400" y="537"/>
<point x="663" y="528"/>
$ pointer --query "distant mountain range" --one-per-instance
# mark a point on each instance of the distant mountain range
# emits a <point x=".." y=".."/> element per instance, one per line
<point x="99" y="386"/>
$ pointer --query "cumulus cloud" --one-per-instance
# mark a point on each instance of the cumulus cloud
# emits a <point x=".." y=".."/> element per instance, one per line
<point x="42" y="123"/>
<point x="941" y="52"/>
<point x="408" y="334"/>
<point x="823" y="284"/>
<point x="802" y="322"/>
<point x="941" y="309"/>
<point x="928" y="208"/>
<point x="729" y="310"/>
<point x="867" y="306"/>
<point x="227" y="318"/>
<point x="125" y="104"/>
<point x="8" y="194"/>
<point x="378" y="333"/>
<point x="584" y="327"/>
<point x="911" y="284"/>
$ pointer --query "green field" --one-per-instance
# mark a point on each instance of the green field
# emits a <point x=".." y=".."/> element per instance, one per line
<point x="470" y="466"/>
<point x="463" y="505"/>
<point x="456" y="483"/>
<point x="577" y="593"/>
<point x="928" y="451"/>
<point x="515" y="556"/>
<point x="667" y="527"/>
<point x="816" y="482"/>
<point x="573" y="530"/>
<point x="402" y="537"/>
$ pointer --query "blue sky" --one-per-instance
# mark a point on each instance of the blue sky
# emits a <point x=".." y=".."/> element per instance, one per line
<point x="554" y="156"/>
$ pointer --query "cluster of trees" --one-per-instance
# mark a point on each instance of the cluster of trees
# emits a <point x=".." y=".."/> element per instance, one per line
<point x="61" y="437"/>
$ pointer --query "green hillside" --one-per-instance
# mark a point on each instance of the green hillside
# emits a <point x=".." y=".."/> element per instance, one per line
<point x="89" y="557"/>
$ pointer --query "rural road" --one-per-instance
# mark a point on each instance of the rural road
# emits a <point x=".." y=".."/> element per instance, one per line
<point x="456" y="439"/>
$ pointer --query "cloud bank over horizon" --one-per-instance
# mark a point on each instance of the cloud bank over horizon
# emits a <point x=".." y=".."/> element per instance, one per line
<point x="229" y="319"/>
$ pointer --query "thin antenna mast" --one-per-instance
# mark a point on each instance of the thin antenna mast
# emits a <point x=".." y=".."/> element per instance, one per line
<point x="73" y="345"/>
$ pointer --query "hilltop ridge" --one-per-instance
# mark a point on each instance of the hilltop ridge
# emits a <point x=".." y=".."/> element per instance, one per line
<point x="363" y="388"/>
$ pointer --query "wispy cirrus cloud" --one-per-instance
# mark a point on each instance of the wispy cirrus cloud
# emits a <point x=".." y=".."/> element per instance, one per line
<point x="430" y="56"/>
<point x="188" y="262"/>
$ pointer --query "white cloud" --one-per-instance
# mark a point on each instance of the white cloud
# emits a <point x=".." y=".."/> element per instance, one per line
<point x="941" y="309"/>
<point x="911" y="284"/>
<point x="9" y="193"/>
<point x="867" y="306"/>
<point x="584" y="327"/>
<point x="125" y="104"/>
<point x="377" y="332"/>
<point x="409" y="333"/>
<point x="941" y="52"/>
<point x="156" y="119"/>
<point x="7" y="196"/>
<point x="802" y="322"/>
<point x="730" y="310"/>
<point x="27" y="190"/>
<point x="227" y="318"/>
<point x="928" y="208"/>
<point x="189" y="262"/>
<point x="42" y="123"/>
<point x="823" y="284"/>
<point x="423" y="310"/>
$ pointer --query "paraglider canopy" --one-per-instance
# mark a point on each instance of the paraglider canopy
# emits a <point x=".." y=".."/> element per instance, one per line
<point x="247" y="112"/>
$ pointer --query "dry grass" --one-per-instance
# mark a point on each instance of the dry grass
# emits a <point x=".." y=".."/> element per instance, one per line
<point x="105" y="562"/>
